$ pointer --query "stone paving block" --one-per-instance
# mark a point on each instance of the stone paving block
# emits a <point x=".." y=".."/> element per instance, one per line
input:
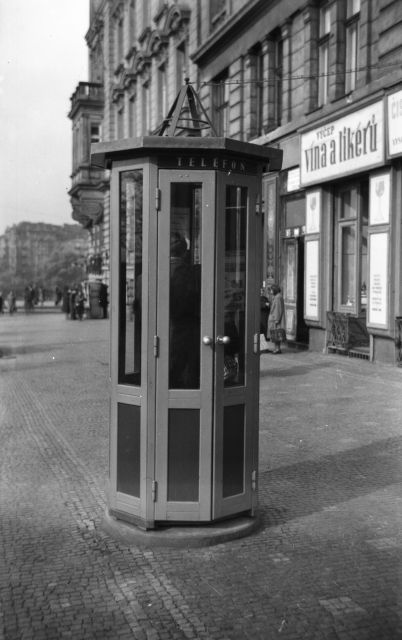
<point x="330" y="475"/>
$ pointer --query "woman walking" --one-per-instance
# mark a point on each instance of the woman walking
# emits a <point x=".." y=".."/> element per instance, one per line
<point x="276" y="319"/>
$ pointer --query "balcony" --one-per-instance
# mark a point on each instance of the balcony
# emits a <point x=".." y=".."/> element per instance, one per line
<point x="88" y="95"/>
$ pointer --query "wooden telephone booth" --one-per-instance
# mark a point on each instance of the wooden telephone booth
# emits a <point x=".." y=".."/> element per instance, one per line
<point x="185" y="282"/>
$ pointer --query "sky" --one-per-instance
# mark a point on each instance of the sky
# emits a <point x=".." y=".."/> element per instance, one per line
<point x="43" y="56"/>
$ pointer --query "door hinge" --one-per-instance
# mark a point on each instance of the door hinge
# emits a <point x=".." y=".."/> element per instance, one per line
<point x="154" y="490"/>
<point x="254" y="480"/>
<point x="157" y="199"/>
<point x="256" y="342"/>
<point x="156" y="346"/>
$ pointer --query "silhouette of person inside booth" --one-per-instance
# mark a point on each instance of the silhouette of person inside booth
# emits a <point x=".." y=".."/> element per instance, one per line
<point x="184" y="304"/>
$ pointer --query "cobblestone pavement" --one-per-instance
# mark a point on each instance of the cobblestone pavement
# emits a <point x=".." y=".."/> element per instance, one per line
<point x="325" y="565"/>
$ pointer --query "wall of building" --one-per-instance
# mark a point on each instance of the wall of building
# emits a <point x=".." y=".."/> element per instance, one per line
<point x="269" y="55"/>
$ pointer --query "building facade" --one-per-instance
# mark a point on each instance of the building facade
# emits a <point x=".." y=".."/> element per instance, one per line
<point x="322" y="80"/>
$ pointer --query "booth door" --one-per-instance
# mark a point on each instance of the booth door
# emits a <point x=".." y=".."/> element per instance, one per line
<point x="184" y="366"/>
<point x="207" y="367"/>
<point x="237" y="334"/>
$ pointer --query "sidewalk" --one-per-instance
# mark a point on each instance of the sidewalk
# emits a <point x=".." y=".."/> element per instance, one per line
<point x="326" y="564"/>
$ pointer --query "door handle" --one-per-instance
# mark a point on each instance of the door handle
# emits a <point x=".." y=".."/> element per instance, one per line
<point x="222" y="340"/>
<point x="207" y="340"/>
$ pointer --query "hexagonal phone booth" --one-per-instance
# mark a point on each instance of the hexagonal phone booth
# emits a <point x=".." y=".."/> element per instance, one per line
<point x="186" y="240"/>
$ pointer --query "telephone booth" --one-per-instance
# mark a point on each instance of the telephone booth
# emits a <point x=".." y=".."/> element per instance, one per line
<point x="186" y="234"/>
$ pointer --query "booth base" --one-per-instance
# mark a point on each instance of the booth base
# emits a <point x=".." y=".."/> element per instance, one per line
<point x="187" y="536"/>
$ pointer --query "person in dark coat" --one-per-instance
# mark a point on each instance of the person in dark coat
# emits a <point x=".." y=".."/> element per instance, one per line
<point x="265" y="306"/>
<point x="103" y="299"/>
<point x="184" y="362"/>
<point x="65" y="305"/>
<point x="276" y="318"/>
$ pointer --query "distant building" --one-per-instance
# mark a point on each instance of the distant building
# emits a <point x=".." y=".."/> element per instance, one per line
<point x="25" y="247"/>
<point x="323" y="81"/>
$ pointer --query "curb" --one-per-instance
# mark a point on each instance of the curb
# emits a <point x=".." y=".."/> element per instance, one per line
<point x="179" y="536"/>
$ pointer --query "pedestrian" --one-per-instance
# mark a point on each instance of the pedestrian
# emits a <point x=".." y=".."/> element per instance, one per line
<point x="1" y="302"/>
<point x="58" y="296"/>
<point x="79" y="302"/>
<point x="276" y="319"/>
<point x="265" y="306"/>
<point x="65" y="306"/>
<point x="103" y="299"/>
<point x="11" y="300"/>
<point x="73" y="310"/>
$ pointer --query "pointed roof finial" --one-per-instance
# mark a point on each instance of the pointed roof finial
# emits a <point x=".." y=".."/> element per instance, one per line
<point x="186" y="119"/>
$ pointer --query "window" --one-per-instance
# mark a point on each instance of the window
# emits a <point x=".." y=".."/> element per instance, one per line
<point x="162" y="95"/>
<point x="132" y="129"/>
<point x="120" y="42"/>
<point x="278" y="70"/>
<point x="217" y="13"/>
<point x="145" y="109"/>
<point x="120" y="122"/>
<point x="146" y="13"/>
<point x="131" y="22"/>
<point x="182" y="69"/>
<point x="259" y="99"/>
<point x="220" y="105"/>
<point x="95" y="132"/>
<point x="352" y="44"/>
<point x="323" y="55"/>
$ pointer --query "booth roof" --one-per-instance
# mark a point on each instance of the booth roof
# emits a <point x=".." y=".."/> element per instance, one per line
<point x="103" y="152"/>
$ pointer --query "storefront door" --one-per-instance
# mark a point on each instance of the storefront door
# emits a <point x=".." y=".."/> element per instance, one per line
<point x="351" y="220"/>
<point x="293" y="291"/>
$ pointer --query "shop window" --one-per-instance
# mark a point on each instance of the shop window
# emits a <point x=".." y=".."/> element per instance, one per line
<point x="352" y="44"/>
<point x="352" y="227"/>
<point x="220" y="105"/>
<point x="323" y="55"/>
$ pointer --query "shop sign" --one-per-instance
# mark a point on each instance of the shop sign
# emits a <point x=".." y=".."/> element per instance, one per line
<point x="293" y="179"/>
<point x="344" y="146"/>
<point x="395" y="124"/>
<point x="313" y="211"/>
<point x="378" y="280"/>
<point x="380" y="189"/>
<point x="206" y="161"/>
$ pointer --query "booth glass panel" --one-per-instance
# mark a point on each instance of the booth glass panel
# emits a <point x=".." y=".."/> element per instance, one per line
<point x="128" y="449"/>
<point x="183" y="455"/>
<point x="130" y="259"/>
<point x="185" y="286"/>
<point x="233" y="451"/>
<point x="235" y="283"/>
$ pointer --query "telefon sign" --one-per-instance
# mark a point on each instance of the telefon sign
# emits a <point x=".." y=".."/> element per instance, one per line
<point x="344" y="146"/>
